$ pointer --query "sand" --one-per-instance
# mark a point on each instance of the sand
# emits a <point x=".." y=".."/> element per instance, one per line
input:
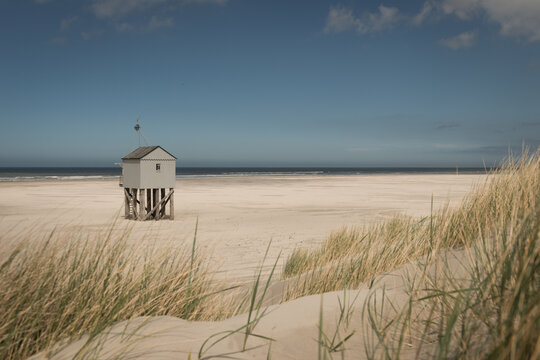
<point x="293" y="327"/>
<point x="237" y="216"/>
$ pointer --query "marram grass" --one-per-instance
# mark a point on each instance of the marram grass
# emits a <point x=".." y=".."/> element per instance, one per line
<point x="67" y="285"/>
<point x="484" y="306"/>
<point x="352" y="256"/>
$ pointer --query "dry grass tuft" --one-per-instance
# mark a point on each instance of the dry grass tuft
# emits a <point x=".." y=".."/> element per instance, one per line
<point x="485" y="305"/>
<point x="69" y="285"/>
<point x="352" y="256"/>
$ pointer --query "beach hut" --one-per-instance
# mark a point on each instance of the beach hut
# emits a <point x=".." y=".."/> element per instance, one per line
<point x="148" y="178"/>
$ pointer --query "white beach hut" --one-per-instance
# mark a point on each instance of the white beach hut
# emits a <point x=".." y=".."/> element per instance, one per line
<point x="148" y="178"/>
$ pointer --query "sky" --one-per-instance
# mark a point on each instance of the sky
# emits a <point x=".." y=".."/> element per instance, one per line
<point x="269" y="83"/>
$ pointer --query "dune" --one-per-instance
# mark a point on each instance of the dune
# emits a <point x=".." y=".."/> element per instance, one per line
<point x="285" y="331"/>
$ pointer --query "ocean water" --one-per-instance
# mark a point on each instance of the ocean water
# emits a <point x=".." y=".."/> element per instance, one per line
<point x="112" y="173"/>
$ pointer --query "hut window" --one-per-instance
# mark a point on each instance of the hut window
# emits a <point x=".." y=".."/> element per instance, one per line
<point x="158" y="167"/>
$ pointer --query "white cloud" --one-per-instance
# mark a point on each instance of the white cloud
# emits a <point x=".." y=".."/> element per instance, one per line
<point x="463" y="9"/>
<point x="342" y="19"/>
<point x="110" y="8"/>
<point x="66" y="23"/>
<point x="424" y="13"/>
<point x="516" y="17"/>
<point x="463" y="40"/>
<point x="386" y="18"/>
<point x="113" y="8"/>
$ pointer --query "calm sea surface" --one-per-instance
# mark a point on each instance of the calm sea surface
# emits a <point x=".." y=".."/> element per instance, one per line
<point x="109" y="173"/>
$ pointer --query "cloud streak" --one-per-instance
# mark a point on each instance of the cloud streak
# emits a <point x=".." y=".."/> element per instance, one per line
<point x="65" y="24"/>
<point x="341" y="19"/>
<point x="463" y="40"/>
<point x="116" y="8"/>
<point x="516" y="18"/>
<point x="426" y="11"/>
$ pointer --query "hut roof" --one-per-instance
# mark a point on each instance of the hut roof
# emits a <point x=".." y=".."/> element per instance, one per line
<point x="142" y="151"/>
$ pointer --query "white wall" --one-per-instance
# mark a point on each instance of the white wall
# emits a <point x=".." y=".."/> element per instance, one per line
<point x="131" y="173"/>
<point x="152" y="179"/>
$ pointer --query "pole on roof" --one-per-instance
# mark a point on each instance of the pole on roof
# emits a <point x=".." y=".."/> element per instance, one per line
<point x="137" y="128"/>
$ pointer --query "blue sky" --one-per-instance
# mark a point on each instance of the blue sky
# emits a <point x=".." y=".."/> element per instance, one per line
<point x="269" y="83"/>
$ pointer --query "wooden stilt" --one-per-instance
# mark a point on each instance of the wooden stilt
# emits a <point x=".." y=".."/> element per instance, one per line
<point x="162" y="202"/>
<point x="163" y="207"/>
<point x="134" y="203"/>
<point x="142" y="197"/>
<point x="126" y="203"/>
<point x="154" y="202"/>
<point x="171" y="190"/>
<point x="148" y="201"/>
<point x="158" y="209"/>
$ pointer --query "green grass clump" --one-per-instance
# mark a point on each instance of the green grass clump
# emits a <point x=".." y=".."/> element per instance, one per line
<point x="65" y="286"/>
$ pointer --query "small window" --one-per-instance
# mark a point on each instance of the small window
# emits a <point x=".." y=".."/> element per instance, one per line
<point x="158" y="167"/>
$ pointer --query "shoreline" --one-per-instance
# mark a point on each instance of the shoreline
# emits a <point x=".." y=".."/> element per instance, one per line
<point x="222" y="176"/>
<point x="93" y="174"/>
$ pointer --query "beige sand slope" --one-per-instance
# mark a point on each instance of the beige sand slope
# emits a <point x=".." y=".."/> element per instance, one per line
<point x="293" y="326"/>
<point x="238" y="216"/>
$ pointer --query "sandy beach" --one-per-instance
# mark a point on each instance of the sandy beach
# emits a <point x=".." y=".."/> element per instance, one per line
<point x="238" y="216"/>
<point x="346" y="293"/>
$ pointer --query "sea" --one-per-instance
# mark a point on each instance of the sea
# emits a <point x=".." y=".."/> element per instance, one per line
<point x="8" y="174"/>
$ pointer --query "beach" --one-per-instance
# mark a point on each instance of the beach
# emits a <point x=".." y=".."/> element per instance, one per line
<point x="424" y="250"/>
<point x="237" y="216"/>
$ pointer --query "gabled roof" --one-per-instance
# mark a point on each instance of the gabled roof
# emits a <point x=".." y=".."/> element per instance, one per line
<point x="142" y="151"/>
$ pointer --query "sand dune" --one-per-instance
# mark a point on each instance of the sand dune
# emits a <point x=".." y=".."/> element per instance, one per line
<point x="293" y="326"/>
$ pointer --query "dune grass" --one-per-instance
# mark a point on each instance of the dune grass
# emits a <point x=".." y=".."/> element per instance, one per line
<point x="352" y="256"/>
<point x="68" y="285"/>
<point x="484" y="306"/>
<point x="487" y="306"/>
